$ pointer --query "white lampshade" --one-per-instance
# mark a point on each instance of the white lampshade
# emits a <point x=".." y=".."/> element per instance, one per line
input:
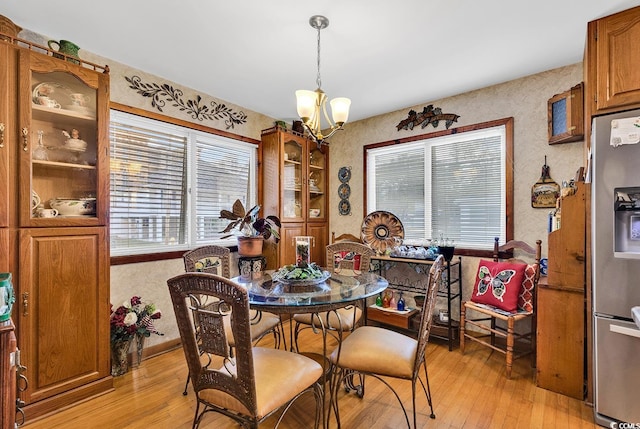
<point x="340" y="109"/>
<point x="306" y="103"/>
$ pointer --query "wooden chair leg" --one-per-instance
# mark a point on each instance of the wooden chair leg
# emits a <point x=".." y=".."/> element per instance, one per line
<point x="510" y="344"/>
<point x="463" y="310"/>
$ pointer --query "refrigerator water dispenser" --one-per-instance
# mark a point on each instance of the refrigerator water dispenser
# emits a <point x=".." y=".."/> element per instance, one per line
<point x="627" y="223"/>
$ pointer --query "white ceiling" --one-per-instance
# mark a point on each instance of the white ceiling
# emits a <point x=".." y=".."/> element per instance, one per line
<point x="384" y="55"/>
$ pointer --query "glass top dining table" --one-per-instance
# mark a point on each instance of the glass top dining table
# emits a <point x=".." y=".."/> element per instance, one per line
<point x="340" y="289"/>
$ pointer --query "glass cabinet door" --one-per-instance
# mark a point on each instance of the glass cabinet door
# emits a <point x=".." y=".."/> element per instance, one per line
<point x="293" y="177"/>
<point x="59" y="140"/>
<point x="317" y="183"/>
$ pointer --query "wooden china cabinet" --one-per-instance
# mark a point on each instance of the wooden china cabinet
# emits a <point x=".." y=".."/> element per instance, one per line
<point x="60" y="264"/>
<point x="294" y="186"/>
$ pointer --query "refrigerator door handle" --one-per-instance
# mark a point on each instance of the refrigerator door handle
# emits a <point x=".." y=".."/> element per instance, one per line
<point x="624" y="330"/>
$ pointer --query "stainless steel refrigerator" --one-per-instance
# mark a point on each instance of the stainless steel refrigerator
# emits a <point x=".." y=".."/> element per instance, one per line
<point x="615" y="223"/>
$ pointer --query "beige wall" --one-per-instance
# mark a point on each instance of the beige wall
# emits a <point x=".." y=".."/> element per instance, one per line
<point x="524" y="99"/>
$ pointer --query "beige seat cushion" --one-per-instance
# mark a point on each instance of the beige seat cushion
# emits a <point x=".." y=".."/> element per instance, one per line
<point x="346" y="314"/>
<point x="379" y="351"/>
<point x="271" y="366"/>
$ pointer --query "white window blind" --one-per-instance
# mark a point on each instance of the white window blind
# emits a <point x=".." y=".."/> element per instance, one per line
<point x="223" y="172"/>
<point x="169" y="183"/>
<point x="445" y="187"/>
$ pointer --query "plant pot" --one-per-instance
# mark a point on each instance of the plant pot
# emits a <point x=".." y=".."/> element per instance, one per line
<point x="250" y="246"/>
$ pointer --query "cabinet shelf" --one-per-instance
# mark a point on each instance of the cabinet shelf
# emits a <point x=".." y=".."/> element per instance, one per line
<point x="50" y="114"/>
<point x="64" y="165"/>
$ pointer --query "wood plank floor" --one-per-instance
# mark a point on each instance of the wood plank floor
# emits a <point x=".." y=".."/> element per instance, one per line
<point x="469" y="391"/>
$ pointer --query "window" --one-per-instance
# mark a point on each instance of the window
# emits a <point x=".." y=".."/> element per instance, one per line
<point x="169" y="183"/>
<point x="452" y="185"/>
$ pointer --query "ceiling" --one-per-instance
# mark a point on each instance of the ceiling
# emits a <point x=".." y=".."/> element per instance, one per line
<point x="384" y="55"/>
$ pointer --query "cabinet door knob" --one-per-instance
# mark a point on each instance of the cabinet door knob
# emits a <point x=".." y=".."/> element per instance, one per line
<point x="1" y="135"/>
<point x="25" y="133"/>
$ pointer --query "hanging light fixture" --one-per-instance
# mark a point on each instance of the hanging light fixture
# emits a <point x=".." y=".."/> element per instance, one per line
<point x="311" y="103"/>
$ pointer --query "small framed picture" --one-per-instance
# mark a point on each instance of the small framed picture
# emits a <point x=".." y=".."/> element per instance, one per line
<point x="634" y="228"/>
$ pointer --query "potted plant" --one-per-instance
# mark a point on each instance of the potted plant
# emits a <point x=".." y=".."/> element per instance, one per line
<point x="250" y="229"/>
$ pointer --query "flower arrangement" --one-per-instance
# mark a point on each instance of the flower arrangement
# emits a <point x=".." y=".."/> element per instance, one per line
<point x="249" y="224"/>
<point x="133" y="318"/>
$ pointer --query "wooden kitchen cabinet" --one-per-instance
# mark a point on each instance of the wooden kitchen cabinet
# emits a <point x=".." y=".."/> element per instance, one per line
<point x="560" y="307"/>
<point x="294" y="186"/>
<point x="60" y="264"/>
<point x="63" y="307"/>
<point x="611" y="62"/>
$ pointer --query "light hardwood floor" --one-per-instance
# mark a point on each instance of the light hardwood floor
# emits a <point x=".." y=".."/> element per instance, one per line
<point x="469" y="391"/>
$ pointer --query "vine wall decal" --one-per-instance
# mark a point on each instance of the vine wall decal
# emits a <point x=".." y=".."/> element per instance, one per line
<point x="161" y="94"/>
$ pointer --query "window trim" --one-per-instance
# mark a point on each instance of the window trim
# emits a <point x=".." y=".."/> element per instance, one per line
<point x="509" y="176"/>
<point x="175" y="254"/>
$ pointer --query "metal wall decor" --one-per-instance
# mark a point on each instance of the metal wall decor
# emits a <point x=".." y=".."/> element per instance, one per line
<point x="429" y="115"/>
<point x="545" y="191"/>
<point x="344" y="191"/>
<point x="161" y="94"/>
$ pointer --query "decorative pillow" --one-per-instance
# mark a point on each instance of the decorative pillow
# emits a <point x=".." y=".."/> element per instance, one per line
<point x="339" y="257"/>
<point x="498" y="284"/>
<point x="525" y="300"/>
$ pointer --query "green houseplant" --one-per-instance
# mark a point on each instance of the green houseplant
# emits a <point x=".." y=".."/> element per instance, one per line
<point x="250" y="229"/>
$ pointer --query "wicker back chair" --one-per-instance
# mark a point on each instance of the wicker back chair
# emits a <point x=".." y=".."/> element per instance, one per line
<point x="381" y="352"/>
<point x="343" y="257"/>
<point x="258" y="381"/>
<point x="217" y="260"/>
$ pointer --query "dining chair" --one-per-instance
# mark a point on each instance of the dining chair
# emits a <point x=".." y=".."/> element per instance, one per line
<point x="344" y="237"/>
<point x="504" y="294"/>
<point x="217" y="260"/>
<point x="255" y="383"/>
<point x="380" y="352"/>
<point x="344" y="257"/>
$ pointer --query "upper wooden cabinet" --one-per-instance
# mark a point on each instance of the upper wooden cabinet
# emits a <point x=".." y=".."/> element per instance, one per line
<point x="294" y="186"/>
<point x="611" y="66"/>
<point x="62" y="141"/>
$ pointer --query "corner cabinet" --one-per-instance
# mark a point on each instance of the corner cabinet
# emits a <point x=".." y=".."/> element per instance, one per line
<point x="612" y="73"/>
<point x="57" y="238"/>
<point x="294" y="186"/>
<point x="560" y="306"/>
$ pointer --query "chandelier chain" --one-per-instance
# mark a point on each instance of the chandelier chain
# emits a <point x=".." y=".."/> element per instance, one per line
<point x="318" y="78"/>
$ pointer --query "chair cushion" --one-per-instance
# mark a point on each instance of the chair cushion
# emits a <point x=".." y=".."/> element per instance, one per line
<point x="498" y="284"/>
<point x="279" y="375"/>
<point x="525" y="299"/>
<point x="379" y="351"/>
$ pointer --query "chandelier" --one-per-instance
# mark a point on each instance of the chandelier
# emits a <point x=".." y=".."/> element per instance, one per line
<point x="311" y="103"/>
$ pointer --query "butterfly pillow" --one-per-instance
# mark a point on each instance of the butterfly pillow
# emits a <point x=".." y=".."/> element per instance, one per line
<point x="498" y="284"/>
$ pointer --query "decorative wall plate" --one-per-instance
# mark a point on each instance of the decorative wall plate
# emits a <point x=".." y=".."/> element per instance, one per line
<point x="344" y="174"/>
<point x="344" y="207"/>
<point x="380" y="230"/>
<point x="344" y="191"/>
